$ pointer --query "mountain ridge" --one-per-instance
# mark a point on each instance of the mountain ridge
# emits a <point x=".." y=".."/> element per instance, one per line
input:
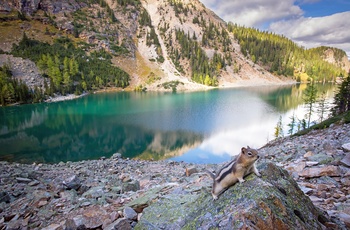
<point x="157" y="43"/>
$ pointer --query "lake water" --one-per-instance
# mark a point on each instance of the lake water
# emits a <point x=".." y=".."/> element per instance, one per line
<point x="199" y="127"/>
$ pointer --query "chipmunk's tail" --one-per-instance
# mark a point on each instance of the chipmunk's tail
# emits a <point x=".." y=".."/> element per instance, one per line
<point x="210" y="174"/>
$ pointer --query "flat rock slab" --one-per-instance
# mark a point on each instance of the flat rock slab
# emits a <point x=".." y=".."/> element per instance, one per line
<point x="346" y="160"/>
<point x="346" y="147"/>
<point x="273" y="201"/>
<point x="329" y="170"/>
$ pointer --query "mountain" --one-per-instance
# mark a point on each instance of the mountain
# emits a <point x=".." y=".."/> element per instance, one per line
<point x="80" y="45"/>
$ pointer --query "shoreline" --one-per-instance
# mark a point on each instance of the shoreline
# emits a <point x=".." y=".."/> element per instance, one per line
<point x="186" y="90"/>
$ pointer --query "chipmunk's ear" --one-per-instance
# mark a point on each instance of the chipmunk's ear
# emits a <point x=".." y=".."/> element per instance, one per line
<point x="243" y="150"/>
<point x="248" y="147"/>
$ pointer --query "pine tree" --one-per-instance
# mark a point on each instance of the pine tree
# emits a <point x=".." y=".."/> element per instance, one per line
<point x="292" y="124"/>
<point x="342" y="98"/>
<point x="322" y="106"/>
<point x="310" y="97"/>
<point x="279" y="128"/>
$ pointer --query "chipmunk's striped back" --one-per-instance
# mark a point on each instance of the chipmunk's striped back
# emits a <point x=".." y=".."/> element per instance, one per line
<point x="234" y="171"/>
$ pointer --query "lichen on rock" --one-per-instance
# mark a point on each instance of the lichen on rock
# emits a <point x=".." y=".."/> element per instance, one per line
<point x="273" y="201"/>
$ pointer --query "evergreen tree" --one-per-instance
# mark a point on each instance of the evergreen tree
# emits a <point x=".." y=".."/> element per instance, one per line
<point x="310" y="97"/>
<point x="342" y="97"/>
<point x="292" y="124"/>
<point x="279" y="129"/>
<point x="322" y="106"/>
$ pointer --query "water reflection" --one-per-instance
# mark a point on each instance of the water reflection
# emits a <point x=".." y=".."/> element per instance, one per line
<point x="201" y="127"/>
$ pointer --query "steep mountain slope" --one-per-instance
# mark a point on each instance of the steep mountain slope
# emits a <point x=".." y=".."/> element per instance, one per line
<point x="138" y="33"/>
<point x="203" y="28"/>
<point x="160" y="44"/>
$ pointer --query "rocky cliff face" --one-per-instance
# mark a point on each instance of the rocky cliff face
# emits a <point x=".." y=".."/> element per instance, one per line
<point x="342" y="61"/>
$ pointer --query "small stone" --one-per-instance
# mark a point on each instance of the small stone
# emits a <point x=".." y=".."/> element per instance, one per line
<point x="315" y="199"/>
<point x="323" y="187"/>
<point x="331" y="225"/>
<point x="9" y="217"/>
<point x="321" y="158"/>
<point x="122" y="224"/>
<point x="72" y="183"/>
<point x="190" y="171"/>
<point x="308" y="154"/>
<point x="86" y="203"/>
<point x="4" y="197"/>
<point x="129" y="213"/>
<point x="346" y="218"/>
<point x="311" y="163"/>
<point x="337" y="195"/>
<point x="131" y="186"/>
<point x="23" y="180"/>
<point x="53" y="227"/>
<point x="34" y="183"/>
<point x="346" y="147"/>
<point x="42" y="203"/>
<point x="116" y="156"/>
<point x="306" y="190"/>
<point x="346" y="160"/>
<point x="319" y="172"/>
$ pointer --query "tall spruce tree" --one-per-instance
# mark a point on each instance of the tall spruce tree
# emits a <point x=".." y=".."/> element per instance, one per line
<point x="342" y="97"/>
<point x="310" y="98"/>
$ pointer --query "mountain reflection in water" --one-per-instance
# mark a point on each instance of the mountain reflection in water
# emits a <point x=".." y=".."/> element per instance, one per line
<point x="201" y="127"/>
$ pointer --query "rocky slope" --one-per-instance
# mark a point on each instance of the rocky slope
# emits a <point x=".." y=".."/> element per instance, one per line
<point x="92" y="23"/>
<point x="120" y="193"/>
<point x="336" y="57"/>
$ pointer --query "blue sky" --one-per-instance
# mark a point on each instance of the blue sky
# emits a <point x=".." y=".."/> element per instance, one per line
<point x="309" y="23"/>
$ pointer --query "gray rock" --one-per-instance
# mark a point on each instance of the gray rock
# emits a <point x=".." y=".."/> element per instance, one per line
<point x="116" y="156"/>
<point x="5" y="197"/>
<point x="346" y="160"/>
<point x="53" y="227"/>
<point x="73" y="183"/>
<point x="321" y="158"/>
<point x="23" y="180"/>
<point x="273" y="201"/>
<point x="94" y="192"/>
<point x="129" y="213"/>
<point x="131" y="186"/>
<point x="346" y="147"/>
<point x="122" y="224"/>
<point x="320" y="171"/>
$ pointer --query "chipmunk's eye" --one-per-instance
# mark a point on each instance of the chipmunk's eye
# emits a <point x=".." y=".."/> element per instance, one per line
<point x="250" y="153"/>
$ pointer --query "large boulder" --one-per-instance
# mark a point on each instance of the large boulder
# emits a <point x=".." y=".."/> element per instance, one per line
<point x="273" y="201"/>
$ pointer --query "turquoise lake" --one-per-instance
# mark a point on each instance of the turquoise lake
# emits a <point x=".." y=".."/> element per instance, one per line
<point x="200" y="127"/>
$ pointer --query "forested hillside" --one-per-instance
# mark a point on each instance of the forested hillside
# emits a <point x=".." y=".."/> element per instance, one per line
<point x="282" y="56"/>
<point x="90" y="45"/>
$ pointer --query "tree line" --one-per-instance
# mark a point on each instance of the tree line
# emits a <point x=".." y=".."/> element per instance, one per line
<point x="66" y="68"/>
<point x="316" y="102"/>
<point x="203" y="70"/>
<point x="281" y="56"/>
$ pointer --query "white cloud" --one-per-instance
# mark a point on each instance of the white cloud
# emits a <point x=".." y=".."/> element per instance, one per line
<point x="330" y="30"/>
<point x="253" y="13"/>
<point x="286" y="17"/>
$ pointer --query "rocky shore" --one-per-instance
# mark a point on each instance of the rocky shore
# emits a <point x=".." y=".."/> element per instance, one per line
<point x="117" y="193"/>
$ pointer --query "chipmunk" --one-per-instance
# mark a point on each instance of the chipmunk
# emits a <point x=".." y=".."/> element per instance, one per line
<point x="234" y="171"/>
